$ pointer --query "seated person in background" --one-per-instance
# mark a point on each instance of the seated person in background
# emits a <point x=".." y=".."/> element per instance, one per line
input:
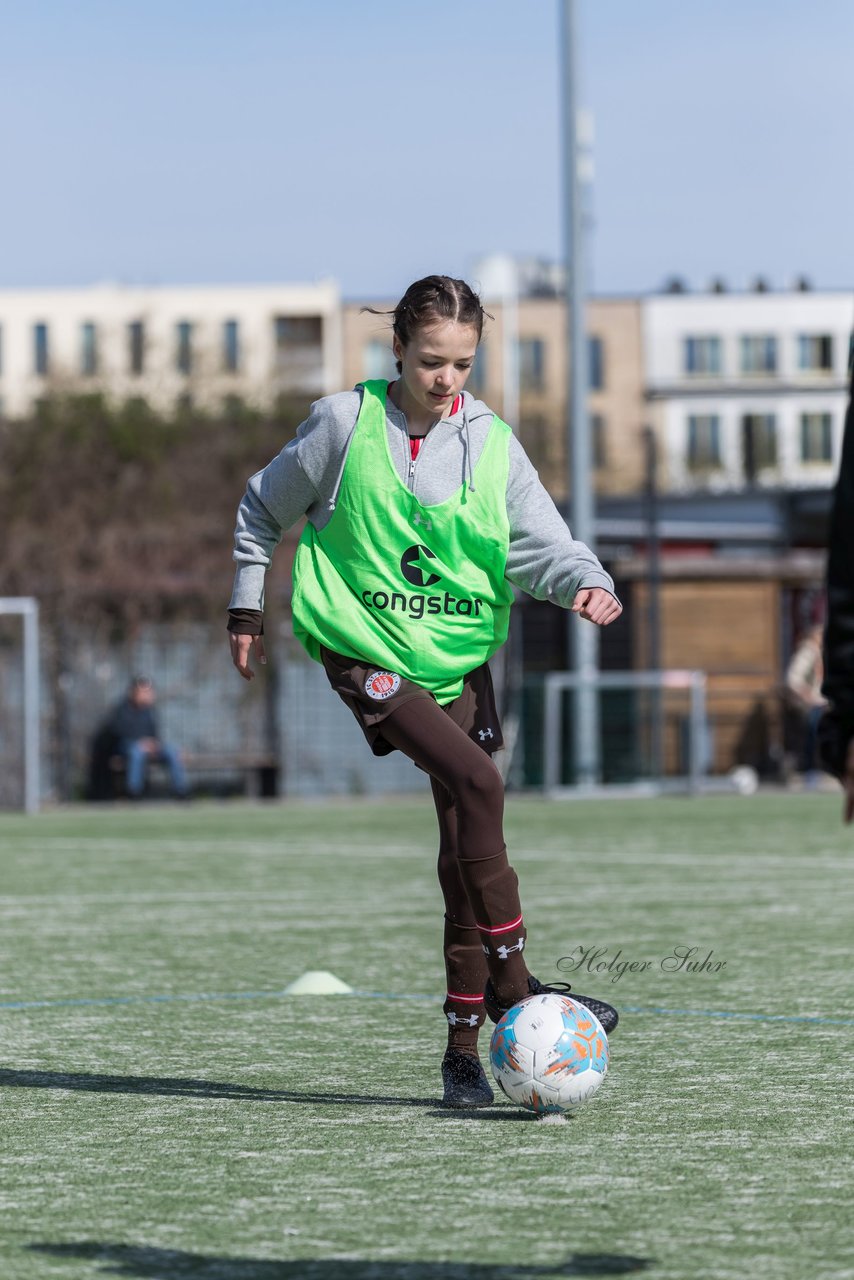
<point x="133" y="724"/>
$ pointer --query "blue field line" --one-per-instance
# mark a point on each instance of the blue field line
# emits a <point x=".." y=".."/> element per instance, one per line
<point x="743" y="1017"/>
<point x="201" y="996"/>
<point x="102" y="1001"/>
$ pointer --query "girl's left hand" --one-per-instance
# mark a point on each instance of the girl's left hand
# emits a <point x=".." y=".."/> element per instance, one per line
<point x="597" y="605"/>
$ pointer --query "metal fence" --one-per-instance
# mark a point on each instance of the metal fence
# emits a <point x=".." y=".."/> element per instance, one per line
<point x="287" y="713"/>
<point x="304" y="741"/>
<point x="654" y="727"/>
<point x="19" y="704"/>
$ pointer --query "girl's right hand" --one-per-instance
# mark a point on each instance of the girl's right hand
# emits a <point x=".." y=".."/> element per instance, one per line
<point x="241" y="646"/>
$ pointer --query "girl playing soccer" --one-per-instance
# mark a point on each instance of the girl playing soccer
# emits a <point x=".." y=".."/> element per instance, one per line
<point x="423" y="513"/>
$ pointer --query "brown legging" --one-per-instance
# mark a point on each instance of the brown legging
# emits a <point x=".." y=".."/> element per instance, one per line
<point x="480" y="888"/>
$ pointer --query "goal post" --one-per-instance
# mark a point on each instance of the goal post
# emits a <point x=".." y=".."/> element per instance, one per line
<point x="679" y="762"/>
<point x="19" y="705"/>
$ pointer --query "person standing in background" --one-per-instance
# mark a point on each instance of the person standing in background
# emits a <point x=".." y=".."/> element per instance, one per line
<point x="804" y="677"/>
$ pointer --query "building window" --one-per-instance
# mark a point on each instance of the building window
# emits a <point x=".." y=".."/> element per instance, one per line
<point x="298" y="355"/>
<point x="297" y="331"/>
<point x="230" y="346"/>
<point x="88" y="349"/>
<point x="595" y="364"/>
<point x="703" y="355"/>
<point x="378" y="360"/>
<point x="136" y="347"/>
<point x="477" y="378"/>
<point x="815" y="352"/>
<point x="40" y="351"/>
<point x="184" y="347"/>
<point x="704" y="442"/>
<point x="816" y="439"/>
<point x="758" y="353"/>
<point x="597" y="440"/>
<point x="534" y="433"/>
<point x="532" y="364"/>
<point x="758" y="443"/>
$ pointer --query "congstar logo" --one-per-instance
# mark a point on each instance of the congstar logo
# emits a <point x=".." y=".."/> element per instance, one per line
<point x="417" y="566"/>
<point x="414" y="566"/>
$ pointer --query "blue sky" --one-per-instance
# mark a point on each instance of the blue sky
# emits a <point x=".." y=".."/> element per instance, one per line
<point x="150" y="141"/>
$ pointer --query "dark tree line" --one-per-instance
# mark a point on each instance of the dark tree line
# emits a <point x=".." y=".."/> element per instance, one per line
<point x="114" y="511"/>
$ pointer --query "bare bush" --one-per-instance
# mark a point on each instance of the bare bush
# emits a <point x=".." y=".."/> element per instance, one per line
<point x="117" y="512"/>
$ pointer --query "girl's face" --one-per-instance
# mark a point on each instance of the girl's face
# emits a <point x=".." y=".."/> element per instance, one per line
<point x="436" y="363"/>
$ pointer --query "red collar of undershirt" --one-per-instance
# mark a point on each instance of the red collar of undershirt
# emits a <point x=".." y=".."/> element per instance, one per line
<point x="415" y="442"/>
<point x="455" y="408"/>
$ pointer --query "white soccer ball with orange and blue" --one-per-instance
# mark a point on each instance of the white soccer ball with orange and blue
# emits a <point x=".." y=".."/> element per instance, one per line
<point x="549" y="1054"/>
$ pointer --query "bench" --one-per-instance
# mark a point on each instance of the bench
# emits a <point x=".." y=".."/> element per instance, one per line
<point x="259" y="769"/>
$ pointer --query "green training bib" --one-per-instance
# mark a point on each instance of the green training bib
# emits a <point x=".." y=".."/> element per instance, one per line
<point x="417" y="590"/>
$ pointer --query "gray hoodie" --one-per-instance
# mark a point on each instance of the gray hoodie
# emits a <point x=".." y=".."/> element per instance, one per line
<point x="543" y="559"/>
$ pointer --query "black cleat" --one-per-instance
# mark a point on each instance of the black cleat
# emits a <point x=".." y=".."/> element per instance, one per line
<point x="606" y="1013"/>
<point x="465" y="1081"/>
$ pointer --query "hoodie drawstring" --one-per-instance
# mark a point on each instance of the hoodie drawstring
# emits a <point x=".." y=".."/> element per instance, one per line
<point x="331" y="504"/>
<point x="469" y="466"/>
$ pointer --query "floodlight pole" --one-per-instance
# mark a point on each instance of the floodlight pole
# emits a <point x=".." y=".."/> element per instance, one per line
<point x="653" y="539"/>
<point x="510" y="353"/>
<point x="584" y="656"/>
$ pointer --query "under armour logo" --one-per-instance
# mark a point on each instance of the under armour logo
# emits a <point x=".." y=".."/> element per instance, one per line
<point x="483" y="734"/>
<point x="419" y="519"/>
<point x="456" y="1021"/>
<point x="504" y="952"/>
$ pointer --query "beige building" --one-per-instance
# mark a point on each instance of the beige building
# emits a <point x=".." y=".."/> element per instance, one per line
<point x="200" y="346"/>
<point x="615" y="373"/>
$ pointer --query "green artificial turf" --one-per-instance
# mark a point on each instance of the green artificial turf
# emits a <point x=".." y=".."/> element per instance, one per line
<point x="167" y="1112"/>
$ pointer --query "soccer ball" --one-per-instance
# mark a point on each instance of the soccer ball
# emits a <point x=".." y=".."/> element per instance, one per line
<point x="549" y="1054"/>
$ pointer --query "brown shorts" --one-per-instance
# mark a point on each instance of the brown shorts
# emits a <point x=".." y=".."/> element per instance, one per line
<point x="372" y="694"/>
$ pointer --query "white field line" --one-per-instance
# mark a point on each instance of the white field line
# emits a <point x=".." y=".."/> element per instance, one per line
<point x="219" y="846"/>
<point x="167" y="895"/>
<point x="744" y="860"/>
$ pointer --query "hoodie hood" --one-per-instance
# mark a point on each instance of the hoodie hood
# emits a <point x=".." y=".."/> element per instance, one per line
<point x="471" y="411"/>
